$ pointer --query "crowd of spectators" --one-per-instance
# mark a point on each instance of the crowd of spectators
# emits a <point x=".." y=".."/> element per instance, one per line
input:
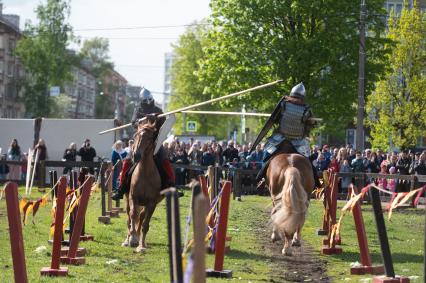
<point x="341" y="159"/>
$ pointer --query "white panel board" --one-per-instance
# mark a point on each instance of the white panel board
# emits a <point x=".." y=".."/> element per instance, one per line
<point x="20" y="129"/>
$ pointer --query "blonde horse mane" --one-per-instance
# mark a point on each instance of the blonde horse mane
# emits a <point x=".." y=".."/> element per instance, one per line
<point x="292" y="208"/>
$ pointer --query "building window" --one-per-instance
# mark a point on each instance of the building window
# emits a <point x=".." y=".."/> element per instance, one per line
<point x="10" y="69"/>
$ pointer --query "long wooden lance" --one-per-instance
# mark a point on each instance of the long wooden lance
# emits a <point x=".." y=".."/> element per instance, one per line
<point x="238" y="113"/>
<point x="197" y="105"/>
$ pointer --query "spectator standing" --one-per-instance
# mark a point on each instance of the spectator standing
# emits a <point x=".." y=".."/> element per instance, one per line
<point x="346" y="181"/>
<point x="70" y="154"/>
<point x="42" y="155"/>
<point x="208" y="157"/>
<point x="403" y="168"/>
<point x="180" y="173"/>
<point x="4" y="169"/>
<point x="321" y="163"/>
<point x="117" y="156"/>
<point x="244" y="153"/>
<point x="326" y="152"/>
<point x="392" y="182"/>
<point x="420" y="167"/>
<point x="14" y="154"/>
<point x="373" y="165"/>
<point x="257" y="156"/>
<point x="334" y="164"/>
<point x="87" y="153"/>
<point x="230" y="153"/>
<point x="358" y="164"/>
<point x="351" y="156"/>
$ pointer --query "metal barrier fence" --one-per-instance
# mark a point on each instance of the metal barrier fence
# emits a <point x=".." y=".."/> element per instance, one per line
<point x="42" y="165"/>
<point x="243" y="180"/>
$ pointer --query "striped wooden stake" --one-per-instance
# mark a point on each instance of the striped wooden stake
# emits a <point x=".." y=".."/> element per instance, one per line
<point x="55" y="269"/>
<point x="15" y="232"/>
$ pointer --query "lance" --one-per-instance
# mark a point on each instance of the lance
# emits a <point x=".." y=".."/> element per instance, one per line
<point x="239" y="113"/>
<point x="197" y="105"/>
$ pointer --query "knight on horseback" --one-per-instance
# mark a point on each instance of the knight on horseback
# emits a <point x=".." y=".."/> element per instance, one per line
<point x="147" y="108"/>
<point x="292" y="117"/>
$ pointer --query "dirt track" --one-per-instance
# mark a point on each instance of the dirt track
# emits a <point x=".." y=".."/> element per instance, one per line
<point x="303" y="266"/>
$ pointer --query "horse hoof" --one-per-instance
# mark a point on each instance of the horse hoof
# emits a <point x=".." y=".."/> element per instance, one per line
<point x="295" y="243"/>
<point x="134" y="244"/>
<point x="125" y="244"/>
<point x="140" y="249"/>
<point x="275" y="237"/>
<point x="286" y="251"/>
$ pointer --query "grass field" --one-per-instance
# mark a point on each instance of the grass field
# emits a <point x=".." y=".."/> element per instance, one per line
<point x="249" y="258"/>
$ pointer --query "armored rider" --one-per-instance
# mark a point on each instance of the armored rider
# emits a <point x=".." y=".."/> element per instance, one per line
<point x="293" y="124"/>
<point x="147" y="108"/>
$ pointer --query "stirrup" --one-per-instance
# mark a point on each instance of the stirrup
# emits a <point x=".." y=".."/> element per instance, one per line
<point x="117" y="196"/>
<point x="261" y="184"/>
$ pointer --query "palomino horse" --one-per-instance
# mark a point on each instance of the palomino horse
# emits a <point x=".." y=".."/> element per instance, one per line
<point x="290" y="180"/>
<point x="145" y="187"/>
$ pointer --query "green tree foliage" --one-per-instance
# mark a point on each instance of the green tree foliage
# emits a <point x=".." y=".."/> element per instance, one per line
<point x="397" y="105"/>
<point x="43" y="52"/>
<point x="187" y="87"/>
<point x="60" y="105"/>
<point x="97" y="51"/>
<point x="315" y="42"/>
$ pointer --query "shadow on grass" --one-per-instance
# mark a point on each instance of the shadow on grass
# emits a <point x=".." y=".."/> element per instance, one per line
<point x="377" y="258"/>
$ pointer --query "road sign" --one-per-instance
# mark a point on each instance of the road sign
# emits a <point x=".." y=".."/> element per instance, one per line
<point x="55" y="91"/>
<point x="191" y="126"/>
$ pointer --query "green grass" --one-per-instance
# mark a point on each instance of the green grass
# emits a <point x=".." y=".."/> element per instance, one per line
<point x="248" y="258"/>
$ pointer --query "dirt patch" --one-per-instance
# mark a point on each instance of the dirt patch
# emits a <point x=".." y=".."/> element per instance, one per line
<point x="302" y="266"/>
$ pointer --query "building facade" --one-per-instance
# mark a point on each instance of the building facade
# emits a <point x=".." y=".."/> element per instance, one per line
<point x="168" y="61"/>
<point x="114" y="87"/>
<point x="11" y="70"/>
<point x="82" y="91"/>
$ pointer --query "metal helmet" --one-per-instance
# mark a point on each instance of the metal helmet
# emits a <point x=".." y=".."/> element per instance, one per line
<point x="298" y="91"/>
<point x="146" y="96"/>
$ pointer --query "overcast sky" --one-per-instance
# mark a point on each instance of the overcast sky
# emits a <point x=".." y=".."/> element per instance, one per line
<point x="137" y="53"/>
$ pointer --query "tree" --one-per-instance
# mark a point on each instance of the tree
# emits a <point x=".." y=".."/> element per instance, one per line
<point x="314" y="42"/>
<point x="97" y="51"/>
<point x="60" y="105"/>
<point x="43" y="52"/>
<point x="397" y="105"/>
<point x="188" y="88"/>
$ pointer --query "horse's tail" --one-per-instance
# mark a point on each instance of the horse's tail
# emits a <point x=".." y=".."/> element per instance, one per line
<point x="294" y="203"/>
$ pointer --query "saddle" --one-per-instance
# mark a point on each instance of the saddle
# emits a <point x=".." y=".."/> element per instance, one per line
<point x="284" y="147"/>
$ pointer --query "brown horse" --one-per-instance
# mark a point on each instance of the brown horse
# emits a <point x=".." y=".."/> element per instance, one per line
<point x="145" y="187"/>
<point x="290" y="180"/>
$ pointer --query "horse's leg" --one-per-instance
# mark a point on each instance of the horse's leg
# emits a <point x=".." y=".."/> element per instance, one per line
<point x="127" y="239"/>
<point x="275" y="235"/>
<point x="287" y="247"/>
<point x="296" y="238"/>
<point x="134" y="215"/>
<point x="141" y="217"/>
<point x="149" y="210"/>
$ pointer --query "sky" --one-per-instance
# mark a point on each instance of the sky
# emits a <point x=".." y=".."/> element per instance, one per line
<point x="138" y="53"/>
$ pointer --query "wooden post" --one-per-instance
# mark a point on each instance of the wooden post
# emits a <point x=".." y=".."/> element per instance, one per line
<point x="203" y="184"/>
<point x="53" y="180"/>
<point x="324" y="228"/>
<point x="104" y="218"/>
<point x="221" y="235"/>
<point x="201" y="205"/>
<point x="384" y="243"/>
<point x="173" y="224"/>
<point x="110" y="173"/>
<point x="210" y="172"/>
<point x="72" y="258"/>
<point x="42" y="176"/>
<point x="15" y="232"/>
<point x="365" y="258"/>
<point x="332" y="249"/>
<point x="55" y="269"/>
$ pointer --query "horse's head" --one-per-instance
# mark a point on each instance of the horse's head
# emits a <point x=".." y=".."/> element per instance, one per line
<point x="144" y="138"/>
